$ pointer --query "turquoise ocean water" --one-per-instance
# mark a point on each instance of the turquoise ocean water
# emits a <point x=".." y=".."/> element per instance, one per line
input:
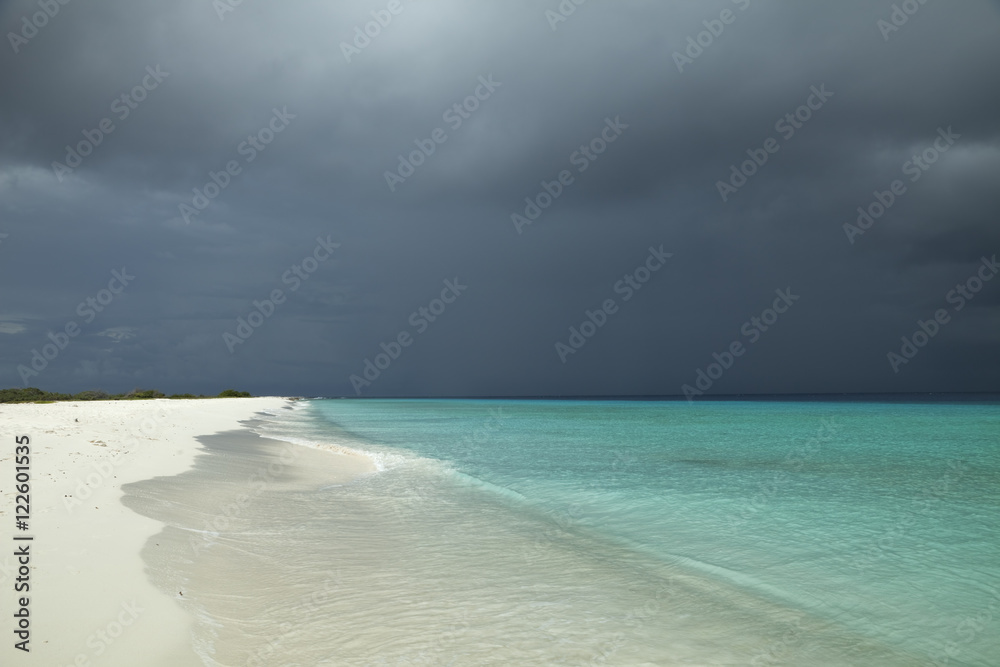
<point x="636" y="533"/>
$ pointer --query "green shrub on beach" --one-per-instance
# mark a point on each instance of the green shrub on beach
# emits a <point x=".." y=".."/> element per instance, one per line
<point x="145" y="393"/>
<point x="91" y="395"/>
<point x="232" y="393"/>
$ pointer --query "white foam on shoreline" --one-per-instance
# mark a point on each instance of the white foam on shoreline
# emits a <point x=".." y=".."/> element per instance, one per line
<point x="282" y="430"/>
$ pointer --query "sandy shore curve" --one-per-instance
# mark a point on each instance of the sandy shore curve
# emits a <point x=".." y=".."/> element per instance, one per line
<point x="90" y="600"/>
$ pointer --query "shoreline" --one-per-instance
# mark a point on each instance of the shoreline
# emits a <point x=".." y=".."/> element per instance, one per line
<point x="90" y="599"/>
<point x="177" y="533"/>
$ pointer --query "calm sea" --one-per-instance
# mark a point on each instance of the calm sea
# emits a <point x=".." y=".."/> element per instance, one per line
<point x="596" y="533"/>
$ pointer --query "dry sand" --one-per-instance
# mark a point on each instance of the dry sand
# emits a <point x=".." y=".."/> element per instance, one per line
<point x="90" y="600"/>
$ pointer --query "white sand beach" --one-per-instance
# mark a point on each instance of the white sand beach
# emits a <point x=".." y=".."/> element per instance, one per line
<point x="91" y="602"/>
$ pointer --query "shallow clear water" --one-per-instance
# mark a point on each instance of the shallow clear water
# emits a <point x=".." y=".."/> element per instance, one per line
<point x="580" y="533"/>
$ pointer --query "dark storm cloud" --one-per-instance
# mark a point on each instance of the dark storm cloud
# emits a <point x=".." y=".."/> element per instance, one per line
<point x="222" y="80"/>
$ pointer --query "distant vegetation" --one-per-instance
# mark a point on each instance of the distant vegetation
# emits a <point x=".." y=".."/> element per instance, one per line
<point x="232" y="393"/>
<point x="33" y="395"/>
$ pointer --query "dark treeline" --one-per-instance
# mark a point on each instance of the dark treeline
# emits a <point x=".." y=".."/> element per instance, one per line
<point x="34" y="395"/>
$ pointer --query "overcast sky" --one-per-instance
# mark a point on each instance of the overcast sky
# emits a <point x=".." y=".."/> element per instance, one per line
<point x="114" y="113"/>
